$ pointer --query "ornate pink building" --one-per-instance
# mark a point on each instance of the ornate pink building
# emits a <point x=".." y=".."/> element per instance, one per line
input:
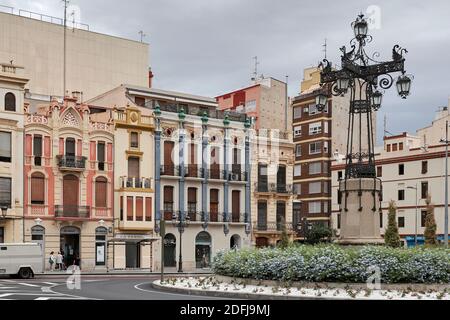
<point x="68" y="180"/>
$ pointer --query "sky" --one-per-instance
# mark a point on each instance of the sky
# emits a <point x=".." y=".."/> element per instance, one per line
<point x="206" y="47"/>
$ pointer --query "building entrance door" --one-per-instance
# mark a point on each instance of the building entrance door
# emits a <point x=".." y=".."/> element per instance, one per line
<point x="169" y="250"/>
<point x="70" y="245"/>
<point x="133" y="254"/>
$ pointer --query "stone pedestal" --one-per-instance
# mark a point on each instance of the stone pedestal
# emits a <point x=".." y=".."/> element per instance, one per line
<point x="360" y="211"/>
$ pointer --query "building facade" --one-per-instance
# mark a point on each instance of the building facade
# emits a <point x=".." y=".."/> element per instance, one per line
<point x="12" y="83"/>
<point x="200" y="159"/>
<point x="272" y="190"/>
<point x="69" y="181"/>
<point x="266" y="101"/>
<point x="411" y="167"/>
<point x="95" y="62"/>
<point x="317" y="135"/>
<point x="134" y="188"/>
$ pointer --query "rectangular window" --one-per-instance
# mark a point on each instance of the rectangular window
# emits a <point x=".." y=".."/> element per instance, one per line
<point x="325" y="186"/>
<point x="139" y="208"/>
<point x="297" y="113"/>
<point x="2" y="235"/>
<point x="298" y="150"/>
<point x="424" y="167"/>
<point x="5" y="146"/>
<point x="140" y="101"/>
<point x="325" y="206"/>
<point x="133" y="167"/>
<point x="312" y="109"/>
<point x="315" y="128"/>
<point x="381" y="219"/>
<point x="134" y="140"/>
<point x="148" y="209"/>
<point x="325" y="126"/>
<point x="315" y="147"/>
<point x="388" y="148"/>
<point x="424" y="190"/>
<point x="339" y="196"/>
<point x="314" y="207"/>
<point x="401" y="169"/>
<point x="400" y="146"/>
<point x="297" y="131"/>
<point x="325" y="167"/>
<point x="5" y="192"/>
<point x="401" y="222"/>
<point x="394" y="147"/>
<point x="338" y="221"/>
<point x="168" y="202"/>
<point x="297" y="188"/>
<point x="401" y="194"/>
<point x="192" y="200"/>
<point x="130" y="208"/>
<point x="101" y="156"/>
<point x="379" y="171"/>
<point x="37" y="146"/>
<point x="37" y="189"/>
<point x="339" y="175"/>
<point x="121" y="208"/>
<point x="423" y="217"/>
<point x="297" y="170"/>
<point x="315" y="187"/>
<point x="315" y="168"/>
<point x="325" y="146"/>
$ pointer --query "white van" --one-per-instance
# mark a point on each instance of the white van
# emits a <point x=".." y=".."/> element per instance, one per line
<point x="22" y="259"/>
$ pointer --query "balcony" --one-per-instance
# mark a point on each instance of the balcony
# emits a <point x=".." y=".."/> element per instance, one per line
<point x="135" y="183"/>
<point x="215" y="174"/>
<point x="72" y="211"/>
<point x="282" y="188"/>
<point x="169" y="170"/>
<point x="237" y="176"/>
<point x="136" y="225"/>
<point x="237" y="217"/>
<point x="261" y="187"/>
<point x="272" y="227"/>
<point x="71" y="163"/>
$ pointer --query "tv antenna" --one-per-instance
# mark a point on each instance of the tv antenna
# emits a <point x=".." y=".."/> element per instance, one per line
<point x="325" y="48"/>
<point x="255" y="70"/>
<point x="142" y="35"/>
<point x="385" y="127"/>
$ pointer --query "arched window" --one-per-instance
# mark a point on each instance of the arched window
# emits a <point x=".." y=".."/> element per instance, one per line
<point x="100" y="192"/>
<point x="37" y="188"/>
<point x="10" y="102"/>
<point x="203" y="250"/>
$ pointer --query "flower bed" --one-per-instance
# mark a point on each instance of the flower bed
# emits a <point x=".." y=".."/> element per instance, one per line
<point x="330" y="263"/>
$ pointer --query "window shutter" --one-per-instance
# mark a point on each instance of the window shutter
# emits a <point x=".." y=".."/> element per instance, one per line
<point x="37" y="189"/>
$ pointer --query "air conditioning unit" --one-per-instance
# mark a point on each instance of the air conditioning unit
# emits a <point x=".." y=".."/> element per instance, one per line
<point x="234" y="177"/>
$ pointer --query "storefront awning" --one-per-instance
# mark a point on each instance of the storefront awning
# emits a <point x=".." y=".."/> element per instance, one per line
<point x="126" y="237"/>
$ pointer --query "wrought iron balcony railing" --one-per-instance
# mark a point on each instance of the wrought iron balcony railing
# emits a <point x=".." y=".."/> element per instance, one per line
<point x="272" y="226"/>
<point x="261" y="187"/>
<point x="75" y="162"/>
<point x="170" y="170"/>
<point x="136" y="183"/>
<point x="72" y="211"/>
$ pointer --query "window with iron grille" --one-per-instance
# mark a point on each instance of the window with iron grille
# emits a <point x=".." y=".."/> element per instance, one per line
<point x="5" y="192"/>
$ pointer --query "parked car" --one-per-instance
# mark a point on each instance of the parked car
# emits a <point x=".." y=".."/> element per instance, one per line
<point x="21" y="259"/>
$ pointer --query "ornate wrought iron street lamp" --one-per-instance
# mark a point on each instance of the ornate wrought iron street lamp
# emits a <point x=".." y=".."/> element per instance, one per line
<point x="180" y="220"/>
<point x="361" y="77"/>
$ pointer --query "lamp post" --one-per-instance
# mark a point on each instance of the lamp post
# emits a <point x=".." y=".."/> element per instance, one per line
<point x="446" y="185"/>
<point x="415" y="236"/>
<point x="180" y="221"/>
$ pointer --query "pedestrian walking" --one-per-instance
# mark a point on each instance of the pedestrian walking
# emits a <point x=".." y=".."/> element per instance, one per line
<point x="59" y="261"/>
<point x="51" y="261"/>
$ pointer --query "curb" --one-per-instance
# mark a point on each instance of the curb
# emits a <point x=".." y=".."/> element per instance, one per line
<point x="126" y="274"/>
<point x="235" y="295"/>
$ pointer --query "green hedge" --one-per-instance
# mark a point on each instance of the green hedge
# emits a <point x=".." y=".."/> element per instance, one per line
<point x="330" y="263"/>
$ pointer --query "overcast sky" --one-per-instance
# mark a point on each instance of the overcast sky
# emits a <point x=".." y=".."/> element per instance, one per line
<point x="206" y="47"/>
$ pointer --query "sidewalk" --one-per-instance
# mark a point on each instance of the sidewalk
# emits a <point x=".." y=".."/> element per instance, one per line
<point x="171" y="271"/>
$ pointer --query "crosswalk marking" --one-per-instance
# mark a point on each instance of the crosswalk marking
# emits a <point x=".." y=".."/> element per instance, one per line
<point x="50" y="283"/>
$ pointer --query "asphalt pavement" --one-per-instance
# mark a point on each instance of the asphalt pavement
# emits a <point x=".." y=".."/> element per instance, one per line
<point x="90" y="287"/>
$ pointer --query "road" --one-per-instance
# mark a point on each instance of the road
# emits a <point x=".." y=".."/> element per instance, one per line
<point x="95" y="287"/>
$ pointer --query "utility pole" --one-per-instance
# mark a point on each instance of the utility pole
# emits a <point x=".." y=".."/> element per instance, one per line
<point x="286" y="107"/>
<point x="66" y="2"/>
<point x="162" y="233"/>
<point x="325" y="48"/>
<point x="255" y="70"/>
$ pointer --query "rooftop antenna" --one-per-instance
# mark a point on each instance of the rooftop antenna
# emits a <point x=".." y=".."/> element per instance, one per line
<point x="325" y="48"/>
<point x="385" y="127"/>
<point x="255" y="71"/>
<point x="142" y="35"/>
<point x="66" y="2"/>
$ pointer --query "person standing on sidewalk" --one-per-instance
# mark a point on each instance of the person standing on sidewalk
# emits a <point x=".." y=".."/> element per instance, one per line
<point x="59" y="261"/>
<point x="51" y="261"/>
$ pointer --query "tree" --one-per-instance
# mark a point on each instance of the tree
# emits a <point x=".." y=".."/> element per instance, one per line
<point x="285" y="241"/>
<point x="318" y="233"/>
<point x="430" y="224"/>
<point x="391" y="236"/>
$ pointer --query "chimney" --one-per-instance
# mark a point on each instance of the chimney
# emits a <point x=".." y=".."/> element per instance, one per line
<point x="150" y="77"/>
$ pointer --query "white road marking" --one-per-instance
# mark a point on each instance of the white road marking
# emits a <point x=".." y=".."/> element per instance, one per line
<point x="50" y="283"/>
<point x="28" y="284"/>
